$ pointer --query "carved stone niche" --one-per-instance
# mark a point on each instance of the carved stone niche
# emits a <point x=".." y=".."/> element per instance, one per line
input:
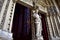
<point x="34" y="28"/>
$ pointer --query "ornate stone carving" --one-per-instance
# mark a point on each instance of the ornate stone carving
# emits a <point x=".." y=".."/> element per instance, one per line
<point x="38" y="25"/>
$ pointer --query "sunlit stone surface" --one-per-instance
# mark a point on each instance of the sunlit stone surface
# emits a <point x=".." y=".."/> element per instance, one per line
<point x="5" y="35"/>
<point x="1" y="4"/>
<point x="5" y="29"/>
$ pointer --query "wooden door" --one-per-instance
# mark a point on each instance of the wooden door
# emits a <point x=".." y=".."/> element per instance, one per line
<point x="21" y="23"/>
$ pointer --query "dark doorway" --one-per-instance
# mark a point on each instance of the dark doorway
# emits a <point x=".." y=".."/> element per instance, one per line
<point x="44" y="27"/>
<point x="21" y="23"/>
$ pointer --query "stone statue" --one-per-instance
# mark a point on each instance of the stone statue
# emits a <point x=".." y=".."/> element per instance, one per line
<point x="38" y="25"/>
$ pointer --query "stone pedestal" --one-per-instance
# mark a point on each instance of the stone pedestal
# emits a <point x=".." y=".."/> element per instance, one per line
<point x="5" y="35"/>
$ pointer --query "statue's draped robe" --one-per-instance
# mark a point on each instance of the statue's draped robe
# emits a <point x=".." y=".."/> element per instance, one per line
<point x="21" y="23"/>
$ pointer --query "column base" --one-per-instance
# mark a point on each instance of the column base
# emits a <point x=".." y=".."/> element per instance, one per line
<point x="40" y="38"/>
<point x="5" y="35"/>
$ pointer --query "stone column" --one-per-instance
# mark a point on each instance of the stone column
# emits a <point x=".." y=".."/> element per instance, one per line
<point x="57" y="9"/>
<point x="7" y="20"/>
<point x="49" y="25"/>
<point x="33" y="27"/>
<point x="54" y="29"/>
<point x="2" y="11"/>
